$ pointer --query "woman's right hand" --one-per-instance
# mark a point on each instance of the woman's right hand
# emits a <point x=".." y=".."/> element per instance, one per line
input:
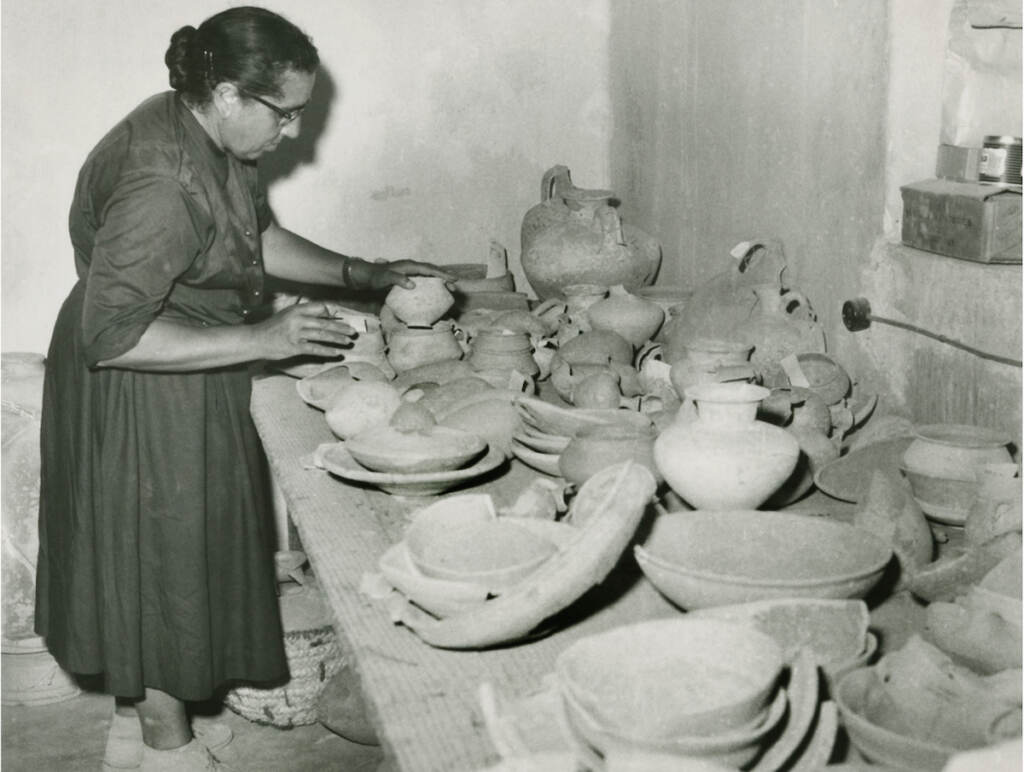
<point x="313" y="329"/>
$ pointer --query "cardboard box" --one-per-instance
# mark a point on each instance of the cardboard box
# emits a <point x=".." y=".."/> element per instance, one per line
<point x="967" y="220"/>
<point x="957" y="162"/>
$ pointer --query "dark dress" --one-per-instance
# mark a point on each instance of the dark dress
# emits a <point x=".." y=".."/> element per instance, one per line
<point x="156" y="535"/>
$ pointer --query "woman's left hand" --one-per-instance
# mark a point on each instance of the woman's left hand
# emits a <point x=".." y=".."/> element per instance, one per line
<point x="384" y="273"/>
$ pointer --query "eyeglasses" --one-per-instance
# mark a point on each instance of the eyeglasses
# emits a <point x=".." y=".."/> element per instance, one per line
<point x="284" y="116"/>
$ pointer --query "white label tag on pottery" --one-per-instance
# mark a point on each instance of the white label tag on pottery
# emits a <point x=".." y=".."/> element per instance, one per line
<point x="740" y="250"/>
<point x="658" y="370"/>
<point x="791" y="366"/>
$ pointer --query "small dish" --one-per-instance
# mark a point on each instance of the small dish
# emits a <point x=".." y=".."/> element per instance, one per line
<point x="849" y="477"/>
<point x="567" y="421"/>
<point x="541" y="441"/>
<point x="339" y="462"/>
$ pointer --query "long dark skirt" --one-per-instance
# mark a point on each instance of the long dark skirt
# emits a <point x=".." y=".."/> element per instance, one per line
<point x="156" y="536"/>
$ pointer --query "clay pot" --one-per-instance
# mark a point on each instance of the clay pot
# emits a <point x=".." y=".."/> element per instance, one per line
<point x="503" y="351"/>
<point x="422" y="305"/>
<point x="597" y="347"/>
<point x="726" y="459"/>
<point x="361" y="405"/>
<point x="573" y="236"/>
<point x="707" y="361"/>
<point x="825" y="376"/>
<point x="595" y="448"/>
<point x="632" y="317"/>
<point x="942" y="463"/>
<point x="492" y="277"/>
<point x="410" y="347"/>
<point x="997" y="505"/>
<point x="781" y="324"/>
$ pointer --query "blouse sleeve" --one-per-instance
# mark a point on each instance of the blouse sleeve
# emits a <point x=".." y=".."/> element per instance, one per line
<point x="149" y="236"/>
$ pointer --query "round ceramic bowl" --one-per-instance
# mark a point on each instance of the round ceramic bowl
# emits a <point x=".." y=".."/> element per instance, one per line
<point x="435" y="449"/>
<point x="855" y="696"/>
<point x="942" y="499"/>
<point x="496" y="554"/>
<point x="704" y="559"/>
<point x="732" y="749"/>
<point x="666" y="679"/>
<point x="955" y="451"/>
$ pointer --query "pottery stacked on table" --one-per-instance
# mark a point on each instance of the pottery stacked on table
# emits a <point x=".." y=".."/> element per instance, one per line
<point x="420" y="337"/>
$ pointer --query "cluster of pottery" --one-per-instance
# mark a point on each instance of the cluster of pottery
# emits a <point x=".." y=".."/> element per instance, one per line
<point x="680" y="693"/>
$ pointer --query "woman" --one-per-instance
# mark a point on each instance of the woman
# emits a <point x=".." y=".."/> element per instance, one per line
<point x="156" y="564"/>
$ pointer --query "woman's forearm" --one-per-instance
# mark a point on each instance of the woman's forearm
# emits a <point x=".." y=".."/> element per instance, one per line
<point x="171" y="347"/>
<point x="287" y="255"/>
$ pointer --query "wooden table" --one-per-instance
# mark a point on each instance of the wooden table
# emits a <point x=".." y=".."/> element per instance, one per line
<point x="423" y="701"/>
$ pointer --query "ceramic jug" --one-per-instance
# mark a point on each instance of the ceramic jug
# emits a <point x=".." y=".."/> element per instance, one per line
<point x="594" y="448"/>
<point x="632" y="317"/>
<point x="574" y="236"/>
<point x="725" y="458"/>
<point x="781" y="324"/>
<point x="726" y="300"/>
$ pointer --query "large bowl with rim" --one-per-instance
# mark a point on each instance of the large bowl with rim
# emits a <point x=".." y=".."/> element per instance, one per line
<point x="433" y="449"/>
<point x="665" y="679"/>
<point x="706" y="558"/>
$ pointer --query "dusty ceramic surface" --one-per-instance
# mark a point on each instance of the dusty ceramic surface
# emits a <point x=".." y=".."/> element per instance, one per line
<point x="503" y="350"/>
<point x="955" y="451"/>
<point x="996" y="508"/>
<point x="707" y="360"/>
<point x="596" y="347"/>
<point x="361" y="405"/>
<point x="592" y="449"/>
<point x="432" y="449"/>
<point x="781" y="324"/>
<point x="704" y="559"/>
<point x="572" y="236"/>
<point x="691" y="677"/>
<point x="825" y="376"/>
<point x="726" y="459"/>
<point x="494" y="419"/>
<point x="412" y="347"/>
<point x="632" y="317"/>
<point x="423" y="304"/>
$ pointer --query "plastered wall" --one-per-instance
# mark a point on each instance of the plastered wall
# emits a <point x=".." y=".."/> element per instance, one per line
<point x="435" y="122"/>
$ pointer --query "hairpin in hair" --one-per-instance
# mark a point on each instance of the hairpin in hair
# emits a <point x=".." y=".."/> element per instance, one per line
<point x="208" y="60"/>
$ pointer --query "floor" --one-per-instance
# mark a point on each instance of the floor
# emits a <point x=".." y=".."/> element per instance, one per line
<point x="69" y="736"/>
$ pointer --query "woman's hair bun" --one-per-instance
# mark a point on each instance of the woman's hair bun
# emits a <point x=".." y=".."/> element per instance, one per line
<point x="179" y="56"/>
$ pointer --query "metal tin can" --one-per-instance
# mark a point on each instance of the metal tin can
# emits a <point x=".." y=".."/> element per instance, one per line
<point x="999" y="160"/>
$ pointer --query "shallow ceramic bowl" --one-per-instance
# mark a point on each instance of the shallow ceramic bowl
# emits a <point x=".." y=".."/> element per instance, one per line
<point x="879" y="744"/>
<point x="827" y="378"/>
<point x="496" y="554"/>
<point x="733" y="749"/>
<point x="666" y="679"/>
<point x="705" y="558"/>
<point x="318" y="389"/>
<point x="536" y="459"/>
<point x="434" y="449"/>
<point x="567" y="421"/>
<point x="440" y="597"/>
<point x="338" y="461"/>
